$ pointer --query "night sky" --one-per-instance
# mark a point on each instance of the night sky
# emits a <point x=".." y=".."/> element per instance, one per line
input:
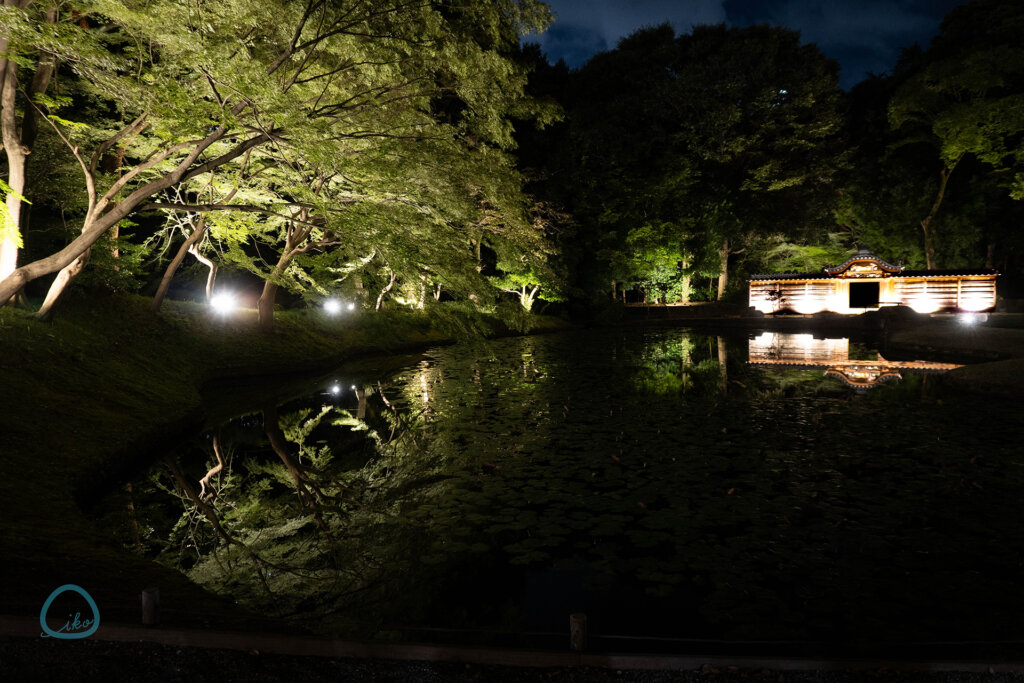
<point x="864" y="36"/>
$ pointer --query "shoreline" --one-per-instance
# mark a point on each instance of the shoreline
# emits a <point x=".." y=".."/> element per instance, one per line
<point x="54" y="543"/>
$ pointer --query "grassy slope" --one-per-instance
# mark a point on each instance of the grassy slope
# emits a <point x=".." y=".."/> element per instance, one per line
<point x="103" y="386"/>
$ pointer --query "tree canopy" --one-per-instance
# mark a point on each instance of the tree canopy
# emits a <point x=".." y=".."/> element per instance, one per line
<point x="298" y="111"/>
<point x="395" y="150"/>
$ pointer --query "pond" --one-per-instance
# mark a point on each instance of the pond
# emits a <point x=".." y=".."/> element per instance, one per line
<point x="676" y="487"/>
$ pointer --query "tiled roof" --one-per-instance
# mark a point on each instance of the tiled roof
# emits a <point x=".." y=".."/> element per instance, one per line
<point x="791" y="276"/>
<point x="961" y="271"/>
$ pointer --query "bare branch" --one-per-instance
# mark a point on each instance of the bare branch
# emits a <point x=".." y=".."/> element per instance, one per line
<point x="133" y="128"/>
<point x="90" y="184"/>
<point x="151" y="161"/>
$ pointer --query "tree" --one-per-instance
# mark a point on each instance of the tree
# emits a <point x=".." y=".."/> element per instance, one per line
<point x="686" y="147"/>
<point x="313" y="83"/>
<point x="967" y="100"/>
<point x="26" y="62"/>
<point x="762" y="118"/>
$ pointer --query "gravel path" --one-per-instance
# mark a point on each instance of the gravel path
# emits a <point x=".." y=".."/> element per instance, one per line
<point x="25" y="659"/>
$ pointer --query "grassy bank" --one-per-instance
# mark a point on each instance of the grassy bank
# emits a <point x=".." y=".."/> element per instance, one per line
<point x="106" y="385"/>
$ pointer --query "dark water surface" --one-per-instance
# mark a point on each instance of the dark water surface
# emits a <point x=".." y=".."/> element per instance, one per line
<point x="665" y="483"/>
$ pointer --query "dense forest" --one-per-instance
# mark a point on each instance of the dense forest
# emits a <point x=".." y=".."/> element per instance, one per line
<point x="417" y="154"/>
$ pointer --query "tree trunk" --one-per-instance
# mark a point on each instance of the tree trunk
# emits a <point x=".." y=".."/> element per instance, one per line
<point x="723" y="362"/>
<point x="929" y="243"/>
<point x="18" y="145"/>
<point x="990" y="255"/>
<point x="172" y="267"/>
<point x="423" y="293"/>
<point x="208" y="479"/>
<point x="684" y="286"/>
<point x="16" y="154"/>
<point x="265" y="306"/>
<point x="530" y="297"/>
<point x="211" y="277"/>
<point x="383" y="292"/>
<point x="723" y="274"/>
<point x="357" y="281"/>
<point x="306" y="488"/>
<point x="361" y="407"/>
<point x="615" y="292"/>
<point x="60" y="283"/>
<point x="931" y="262"/>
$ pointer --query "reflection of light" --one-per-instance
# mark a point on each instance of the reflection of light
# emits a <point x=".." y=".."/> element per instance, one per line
<point x="336" y="389"/>
<point x="971" y="318"/>
<point x="332" y="306"/>
<point x="775" y="347"/>
<point x="924" y="304"/>
<point x="975" y="303"/>
<point x="223" y="302"/>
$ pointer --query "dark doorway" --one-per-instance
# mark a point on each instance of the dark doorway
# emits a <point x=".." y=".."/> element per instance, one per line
<point x="863" y="294"/>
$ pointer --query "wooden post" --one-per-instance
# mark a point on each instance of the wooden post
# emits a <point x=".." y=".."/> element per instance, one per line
<point x="150" y="606"/>
<point x="578" y="631"/>
<point x="361" y="409"/>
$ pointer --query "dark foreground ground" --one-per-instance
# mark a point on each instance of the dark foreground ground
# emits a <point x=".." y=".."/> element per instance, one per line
<point x="23" y="659"/>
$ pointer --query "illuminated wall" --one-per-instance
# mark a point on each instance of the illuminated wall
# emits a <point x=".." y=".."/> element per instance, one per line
<point x="923" y="293"/>
<point x="928" y="294"/>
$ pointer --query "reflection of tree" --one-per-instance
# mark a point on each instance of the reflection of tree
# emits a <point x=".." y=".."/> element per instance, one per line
<point x="205" y="482"/>
<point x="738" y="507"/>
<point x="683" y="364"/>
<point x="310" y="494"/>
<point x="204" y="508"/>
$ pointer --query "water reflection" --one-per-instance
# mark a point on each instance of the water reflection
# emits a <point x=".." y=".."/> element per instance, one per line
<point x="774" y="349"/>
<point x="634" y="475"/>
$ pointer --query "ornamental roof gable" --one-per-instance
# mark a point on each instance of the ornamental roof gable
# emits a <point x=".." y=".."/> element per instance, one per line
<point x="864" y="264"/>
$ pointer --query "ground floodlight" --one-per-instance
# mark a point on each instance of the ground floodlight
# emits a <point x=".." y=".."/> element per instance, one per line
<point x="224" y="302"/>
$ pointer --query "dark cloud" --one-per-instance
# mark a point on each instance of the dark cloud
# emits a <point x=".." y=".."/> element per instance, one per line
<point x="864" y="36"/>
<point x="573" y="43"/>
<point x="599" y="24"/>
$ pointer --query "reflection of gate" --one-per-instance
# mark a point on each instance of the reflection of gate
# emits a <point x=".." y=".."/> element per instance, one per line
<point x="863" y="295"/>
<point x="803" y="351"/>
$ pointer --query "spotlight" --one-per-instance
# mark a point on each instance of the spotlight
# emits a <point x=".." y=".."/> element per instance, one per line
<point x="336" y="389"/>
<point x="223" y="302"/>
<point x="332" y="307"/>
<point x="351" y="307"/>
